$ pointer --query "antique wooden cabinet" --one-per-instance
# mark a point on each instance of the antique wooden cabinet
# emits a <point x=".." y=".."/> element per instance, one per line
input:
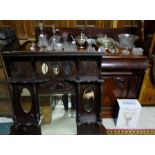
<point x="104" y="77"/>
<point x="66" y="72"/>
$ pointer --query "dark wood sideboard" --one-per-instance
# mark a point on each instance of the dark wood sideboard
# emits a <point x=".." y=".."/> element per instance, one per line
<point x="123" y="76"/>
<point x="67" y="72"/>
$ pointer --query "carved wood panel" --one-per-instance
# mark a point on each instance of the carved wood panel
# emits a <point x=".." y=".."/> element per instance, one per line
<point x="89" y="103"/>
<point x="88" y="68"/>
<point x="91" y="94"/>
<point x="25" y="118"/>
<point x="57" y="86"/>
<point x="56" y="68"/>
<point x="116" y="87"/>
<point x="22" y="69"/>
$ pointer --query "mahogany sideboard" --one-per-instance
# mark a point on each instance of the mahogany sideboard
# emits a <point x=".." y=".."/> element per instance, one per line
<point x="123" y="77"/>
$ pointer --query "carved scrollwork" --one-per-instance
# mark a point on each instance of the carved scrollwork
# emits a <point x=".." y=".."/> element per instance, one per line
<point x="22" y="69"/>
<point x="119" y="81"/>
<point x="88" y="68"/>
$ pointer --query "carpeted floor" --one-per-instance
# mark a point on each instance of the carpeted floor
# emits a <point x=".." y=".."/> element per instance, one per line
<point x="130" y="132"/>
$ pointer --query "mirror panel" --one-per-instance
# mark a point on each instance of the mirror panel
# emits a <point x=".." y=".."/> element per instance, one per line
<point x="44" y="68"/>
<point x="88" y="99"/>
<point x="68" y="69"/>
<point x="26" y="100"/>
<point x="56" y="69"/>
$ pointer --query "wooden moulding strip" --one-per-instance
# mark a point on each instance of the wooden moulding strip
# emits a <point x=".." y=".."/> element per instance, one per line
<point x="130" y="132"/>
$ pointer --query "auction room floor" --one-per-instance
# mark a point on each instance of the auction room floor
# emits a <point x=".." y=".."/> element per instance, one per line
<point x="67" y="126"/>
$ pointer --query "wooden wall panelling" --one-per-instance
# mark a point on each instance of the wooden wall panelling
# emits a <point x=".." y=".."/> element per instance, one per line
<point x="64" y="23"/>
<point x="94" y="23"/>
<point x="147" y="94"/>
<point x="18" y="25"/>
<point x="126" y="23"/>
<point x="108" y="24"/>
<point x="88" y="23"/>
<point x="31" y="24"/>
<point x="130" y="23"/>
<point x="29" y="27"/>
<point x="5" y="23"/>
<point x="91" y="23"/>
<point x="100" y="23"/>
<point x="80" y="23"/>
<point x="25" y="28"/>
<point x="20" y="29"/>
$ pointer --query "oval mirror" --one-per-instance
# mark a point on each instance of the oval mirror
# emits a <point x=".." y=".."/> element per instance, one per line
<point x="26" y="101"/>
<point x="68" y="69"/>
<point x="56" y="69"/>
<point x="88" y="99"/>
<point x="44" y="68"/>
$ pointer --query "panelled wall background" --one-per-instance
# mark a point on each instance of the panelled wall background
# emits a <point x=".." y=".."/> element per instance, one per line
<point x="25" y="28"/>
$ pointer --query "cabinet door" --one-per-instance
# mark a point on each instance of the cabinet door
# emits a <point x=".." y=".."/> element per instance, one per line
<point x="117" y="87"/>
<point x="88" y="109"/>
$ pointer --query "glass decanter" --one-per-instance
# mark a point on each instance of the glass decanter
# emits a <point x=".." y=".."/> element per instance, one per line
<point x="42" y="38"/>
<point x="55" y="40"/>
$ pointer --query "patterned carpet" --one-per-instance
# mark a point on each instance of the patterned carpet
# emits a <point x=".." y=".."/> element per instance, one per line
<point x="130" y="132"/>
